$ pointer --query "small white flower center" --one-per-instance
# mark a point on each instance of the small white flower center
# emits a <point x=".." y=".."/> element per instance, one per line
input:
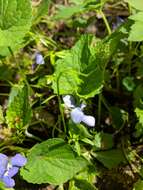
<point x="9" y="166"/>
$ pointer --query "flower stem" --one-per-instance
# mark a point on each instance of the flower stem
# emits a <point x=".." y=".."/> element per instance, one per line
<point x="99" y="108"/>
<point x="60" y="107"/>
<point x="106" y="22"/>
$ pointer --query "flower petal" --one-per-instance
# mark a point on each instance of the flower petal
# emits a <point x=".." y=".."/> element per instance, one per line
<point x="13" y="171"/>
<point x="3" y="164"/>
<point x="8" y="181"/>
<point x="82" y="106"/>
<point x="89" y="120"/>
<point x="69" y="101"/>
<point x="77" y="115"/>
<point x="39" y="59"/>
<point x="18" y="160"/>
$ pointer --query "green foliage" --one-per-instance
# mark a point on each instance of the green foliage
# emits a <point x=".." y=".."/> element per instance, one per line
<point x="139" y="113"/>
<point x="15" y="22"/>
<point x="18" y="112"/>
<point x="103" y="69"/>
<point x="67" y="12"/>
<point x="1" y="115"/>
<point x="138" y="96"/>
<point x="41" y="10"/>
<point x="129" y="84"/>
<point x="78" y="7"/>
<point x="84" y="185"/>
<point x="137" y="4"/>
<point x="110" y="158"/>
<point x="68" y="70"/>
<point x="82" y="69"/>
<point x="138" y="185"/>
<point x="53" y="161"/>
<point x="136" y="33"/>
<point x="6" y="72"/>
<point x="79" y="130"/>
<point x="136" y="29"/>
<point x="139" y="125"/>
<point x="103" y="141"/>
<point x="119" y="117"/>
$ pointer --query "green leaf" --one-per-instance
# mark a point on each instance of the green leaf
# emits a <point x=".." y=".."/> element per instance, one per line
<point x="65" y="12"/>
<point x="6" y="73"/>
<point x="110" y="158"/>
<point x="103" y="141"/>
<point x="84" y="185"/>
<point x="141" y="171"/>
<point x="68" y="70"/>
<point x="119" y="117"/>
<point x="1" y="115"/>
<point x="82" y="69"/>
<point x="129" y="84"/>
<point x="138" y="185"/>
<point x="15" y="22"/>
<point x="137" y="4"/>
<point x="79" y="130"/>
<point x="138" y="130"/>
<point x="139" y="113"/>
<point x="137" y="17"/>
<point x="76" y="1"/>
<point x="138" y="97"/>
<point x="94" y="73"/>
<point x="52" y="161"/>
<point x="18" y="112"/>
<point x="136" y="32"/>
<point x="41" y="10"/>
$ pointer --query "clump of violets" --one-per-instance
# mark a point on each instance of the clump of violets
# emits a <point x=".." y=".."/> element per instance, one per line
<point x="9" y="167"/>
<point x="77" y="114"/>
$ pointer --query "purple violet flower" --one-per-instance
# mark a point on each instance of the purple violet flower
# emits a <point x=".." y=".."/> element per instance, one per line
<point x="9" y="167"/>
<point x="39" y="59"/>
<point x="77" y="114"/>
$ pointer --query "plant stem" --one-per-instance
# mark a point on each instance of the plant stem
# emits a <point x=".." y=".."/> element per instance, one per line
<point x="60" y="107"/>
<point x="62" y="114"/>
<point x="71" y="185"/>
<point x="106" y="22"/>
<point x="99" y="108"/>
<point x="105" y="103"/>
<point x="4" y="94"/>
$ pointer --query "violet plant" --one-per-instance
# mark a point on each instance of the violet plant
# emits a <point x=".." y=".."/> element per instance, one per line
<point x="92" y="63"/>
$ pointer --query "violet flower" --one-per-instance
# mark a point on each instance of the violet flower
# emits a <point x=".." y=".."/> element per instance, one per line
<point x="39" y="59"/>
<point x="9" y="167"/>
<point x="77" y="114"/>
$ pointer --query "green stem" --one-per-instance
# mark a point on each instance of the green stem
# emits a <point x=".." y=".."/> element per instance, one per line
<point x="71" y="185"/>
<point x="62" y="114"/>
<point x="60" y="107"/>
<point x="117" y="80"/>
<point x="99" y="108"/>
<point x="61" y="187"/>
<point x="30" y="135"/>
<point x="126" y="157"/>
<point x="4" y="94"/>
<point x="106" y="22"/>
<point x="130" y="8"/>
<point x="105" y="103"/>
